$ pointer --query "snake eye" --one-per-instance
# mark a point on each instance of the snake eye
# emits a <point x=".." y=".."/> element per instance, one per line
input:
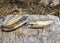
<point x="31" y="24"/>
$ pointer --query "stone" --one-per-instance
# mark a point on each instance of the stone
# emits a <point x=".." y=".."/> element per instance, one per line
<point x="55" y="3"/>
<point x="45" y="2"/>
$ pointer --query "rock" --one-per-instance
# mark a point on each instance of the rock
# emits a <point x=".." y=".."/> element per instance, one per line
<point x="30" y="40"/>
<point x="55" y="3"/>
<point x="45" y="2"/>
<point x="54" y="18"/>
<point x="29" y="35"/>
<point x="29" y="32"/>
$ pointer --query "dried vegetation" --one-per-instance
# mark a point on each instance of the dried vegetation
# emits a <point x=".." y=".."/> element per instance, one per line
<point x="41" y="7"/>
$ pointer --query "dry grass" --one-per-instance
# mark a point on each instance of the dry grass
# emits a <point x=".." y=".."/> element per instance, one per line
<point x="28" y="7"/>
